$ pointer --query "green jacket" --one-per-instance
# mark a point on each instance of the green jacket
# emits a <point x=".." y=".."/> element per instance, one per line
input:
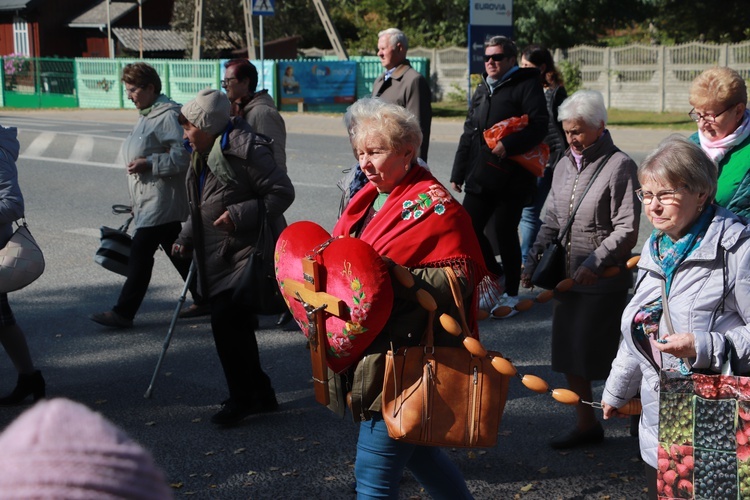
<point x="736" y="199"/>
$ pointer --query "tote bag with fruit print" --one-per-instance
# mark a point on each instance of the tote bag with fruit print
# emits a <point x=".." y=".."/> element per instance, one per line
<point x="704" y="436"/>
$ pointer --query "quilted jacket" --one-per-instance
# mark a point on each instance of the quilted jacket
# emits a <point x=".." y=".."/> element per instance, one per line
<point x="708" y="297"/>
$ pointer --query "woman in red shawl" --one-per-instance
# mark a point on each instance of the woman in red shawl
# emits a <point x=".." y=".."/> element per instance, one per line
<point x="410" y="219"/>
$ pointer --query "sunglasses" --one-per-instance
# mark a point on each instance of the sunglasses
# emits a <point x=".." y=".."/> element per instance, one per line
<point x="494" y="57"/>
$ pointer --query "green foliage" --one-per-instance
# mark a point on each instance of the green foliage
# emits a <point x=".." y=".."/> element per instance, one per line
<point x="571" y="74"/>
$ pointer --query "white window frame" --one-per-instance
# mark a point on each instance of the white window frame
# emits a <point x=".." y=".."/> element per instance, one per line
<point x="20" y="36"/>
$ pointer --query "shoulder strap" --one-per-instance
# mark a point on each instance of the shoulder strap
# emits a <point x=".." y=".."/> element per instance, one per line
<point x="599" y="168"/>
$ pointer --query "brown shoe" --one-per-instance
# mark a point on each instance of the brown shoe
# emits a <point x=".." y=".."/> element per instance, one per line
<point x="195" y="310"/>
<point x="111" y="319"/>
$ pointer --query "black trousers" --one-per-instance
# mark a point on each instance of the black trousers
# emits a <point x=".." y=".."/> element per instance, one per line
<point x="146" y="241"/>
<point x="507" y="208"/>
<point x="234" y="336"/>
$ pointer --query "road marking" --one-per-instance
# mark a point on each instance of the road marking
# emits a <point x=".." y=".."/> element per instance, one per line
<point x="71" y="162"/>
<point x="83" y="148"/>
<point x="40" y="144"/>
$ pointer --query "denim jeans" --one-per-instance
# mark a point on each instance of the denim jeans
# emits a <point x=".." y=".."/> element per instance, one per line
<point x="530" y="221"/>
<point x="381" y="462"/>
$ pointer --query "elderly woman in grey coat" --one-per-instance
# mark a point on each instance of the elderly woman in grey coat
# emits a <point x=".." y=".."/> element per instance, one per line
<point x="585" y="321"/>
<point x="695" y="268"/>
<point x="232" y="182"/>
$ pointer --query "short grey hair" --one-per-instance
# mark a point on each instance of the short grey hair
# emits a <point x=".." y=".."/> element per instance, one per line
<point x="372" y="116"/>
<point x="395" y="36"/>
<point x="678" y="162"/>
<point x="508" y="46"/>
<point x="586" y="105"/>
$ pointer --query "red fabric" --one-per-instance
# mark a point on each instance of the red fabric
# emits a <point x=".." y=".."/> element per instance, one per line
<point x="420" y="225"/>
<point x="533" y="160"/>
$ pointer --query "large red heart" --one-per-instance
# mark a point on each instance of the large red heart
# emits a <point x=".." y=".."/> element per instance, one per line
<point x="352" y="271"/>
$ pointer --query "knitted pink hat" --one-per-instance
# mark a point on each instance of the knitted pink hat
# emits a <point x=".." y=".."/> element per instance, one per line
<point x="61" y="449"/>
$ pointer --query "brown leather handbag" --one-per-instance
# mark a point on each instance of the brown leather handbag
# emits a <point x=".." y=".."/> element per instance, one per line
<point x="443" y="396"/>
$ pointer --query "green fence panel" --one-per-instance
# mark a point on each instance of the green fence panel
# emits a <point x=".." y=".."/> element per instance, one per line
<point x="186" y="78"/>
<point x="39" y="82"/>
<point x="99" y="83"/>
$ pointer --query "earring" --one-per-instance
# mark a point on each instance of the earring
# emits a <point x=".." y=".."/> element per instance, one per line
<point x="700" y="209"/>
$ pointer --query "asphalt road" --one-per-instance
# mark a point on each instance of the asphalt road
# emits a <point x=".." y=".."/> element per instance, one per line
<point x="70" y="177"/>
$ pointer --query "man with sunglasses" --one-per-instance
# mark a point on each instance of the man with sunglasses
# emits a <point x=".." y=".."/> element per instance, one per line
<point x="496" y="188"/>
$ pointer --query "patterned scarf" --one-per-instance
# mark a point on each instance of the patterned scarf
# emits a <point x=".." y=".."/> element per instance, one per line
<point x="419" y="225"/>
<point x="669" y="255"/>
<point x="718" y="149"/>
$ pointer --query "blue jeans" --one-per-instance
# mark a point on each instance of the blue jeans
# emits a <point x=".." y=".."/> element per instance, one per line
<point x="381" y="461"/>
<point x="530" y="221"/>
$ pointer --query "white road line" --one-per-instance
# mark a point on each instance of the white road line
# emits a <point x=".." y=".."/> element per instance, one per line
<point x="40" y="144"/>
<point x="72" y="162"/>
<point x="83" y="148"/>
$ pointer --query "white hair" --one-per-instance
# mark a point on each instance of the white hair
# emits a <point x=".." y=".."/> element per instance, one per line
<point x="395" y="36"/>
<point x="586" y="105"/>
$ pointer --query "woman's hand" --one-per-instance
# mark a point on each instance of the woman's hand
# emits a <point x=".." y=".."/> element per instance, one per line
<point x="611" y="411"/>
<point x="585" y="276"/>
<point x="138" y="166"/>
<point x="456" y="187"/>
<point x="679" y="345"/>
<point x="181" y="251"/>
<point x="526" y="280"/>
<point x="224" y="223"/>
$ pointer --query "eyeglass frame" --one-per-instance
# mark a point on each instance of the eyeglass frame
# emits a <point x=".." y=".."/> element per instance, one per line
<point x="134" y="89"/>
<point x="640" y="195"/>
<point x="225" y="81"/>
<point x="693" y="114"/>
<point x="494" y="57"/>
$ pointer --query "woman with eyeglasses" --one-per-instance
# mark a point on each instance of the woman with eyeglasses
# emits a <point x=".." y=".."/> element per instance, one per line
<point x="719" y="100"/>
<point x="586" y="319"/>
<point x="695" y="271"/>
<point x="155" y="161"/>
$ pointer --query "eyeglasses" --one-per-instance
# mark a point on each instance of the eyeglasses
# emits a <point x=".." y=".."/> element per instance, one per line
<point x="708" y="117"/>
<point x="132" y="90"/>
<point x="494" y="57"/>
<point x="226" y="81"/>
<point x="664" y="197"/>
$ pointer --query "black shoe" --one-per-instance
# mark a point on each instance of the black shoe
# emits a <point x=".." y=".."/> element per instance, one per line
<point x="195" y="311"/>
<point x="233" y="412"/>
<point x="111" y="319"/>
<point x="284" y="318"/>
<point x="578" y="438"/>
<point x="30" y="384"/>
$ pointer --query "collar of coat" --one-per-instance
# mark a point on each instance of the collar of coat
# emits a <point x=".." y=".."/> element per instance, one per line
<point x="400" y="70"/>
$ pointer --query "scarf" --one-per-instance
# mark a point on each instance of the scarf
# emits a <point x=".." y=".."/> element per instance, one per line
<point x="668" y="255"/>
<point x="216" y="161"/>
<point x="717" y="149"/>
<point x="419" y="225"/>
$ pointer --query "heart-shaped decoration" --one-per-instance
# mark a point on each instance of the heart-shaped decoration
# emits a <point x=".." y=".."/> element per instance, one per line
<point x="350" y="271"/>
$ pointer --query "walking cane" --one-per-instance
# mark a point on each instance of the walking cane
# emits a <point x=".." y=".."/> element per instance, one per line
<point x="167" y="340"/>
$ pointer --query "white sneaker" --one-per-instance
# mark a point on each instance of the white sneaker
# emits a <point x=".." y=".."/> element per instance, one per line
<point x="506" y="300"/>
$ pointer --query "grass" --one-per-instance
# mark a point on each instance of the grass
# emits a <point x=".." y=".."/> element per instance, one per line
<point x="617" y="117"/>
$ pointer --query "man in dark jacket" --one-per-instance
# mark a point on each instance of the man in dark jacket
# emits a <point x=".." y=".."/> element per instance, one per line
<point x="494" y="184"/>
<point x="232" y="181"/>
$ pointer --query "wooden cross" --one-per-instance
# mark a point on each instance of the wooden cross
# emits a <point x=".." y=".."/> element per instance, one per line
<point x="317" y="303"/>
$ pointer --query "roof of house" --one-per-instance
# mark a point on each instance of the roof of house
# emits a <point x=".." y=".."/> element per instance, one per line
<point x="96" y="16"/>
<point x="14" y="4"/>
<point x="154" y="39"/>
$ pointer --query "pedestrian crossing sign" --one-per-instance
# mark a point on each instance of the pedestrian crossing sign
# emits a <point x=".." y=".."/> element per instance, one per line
<point x="263" y="7"/>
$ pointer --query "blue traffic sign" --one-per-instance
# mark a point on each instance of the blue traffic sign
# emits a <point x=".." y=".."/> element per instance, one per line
<point x="263" y="7"/>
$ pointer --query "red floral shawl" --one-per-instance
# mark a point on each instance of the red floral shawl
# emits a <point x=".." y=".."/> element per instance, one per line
<point x="420" y="225"/>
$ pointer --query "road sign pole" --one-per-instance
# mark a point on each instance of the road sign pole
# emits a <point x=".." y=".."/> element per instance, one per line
<point x="262" y="55"/>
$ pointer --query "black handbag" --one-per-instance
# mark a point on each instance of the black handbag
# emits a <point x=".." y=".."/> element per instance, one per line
<point x="258" y="291"/>
<point x="551" y="268"/>
<point x="113" y="253"/>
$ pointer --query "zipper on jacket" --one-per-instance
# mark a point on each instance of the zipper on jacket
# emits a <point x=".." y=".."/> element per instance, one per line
<point x="568" y="242"/>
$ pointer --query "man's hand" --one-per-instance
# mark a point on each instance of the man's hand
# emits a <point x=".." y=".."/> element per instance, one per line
<point x="138" y="166"/>
<point x="455" y="187"/>
<point x="499" y="150"/>
<point x="224" y="223"/>
<point x="181" y="251"/>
